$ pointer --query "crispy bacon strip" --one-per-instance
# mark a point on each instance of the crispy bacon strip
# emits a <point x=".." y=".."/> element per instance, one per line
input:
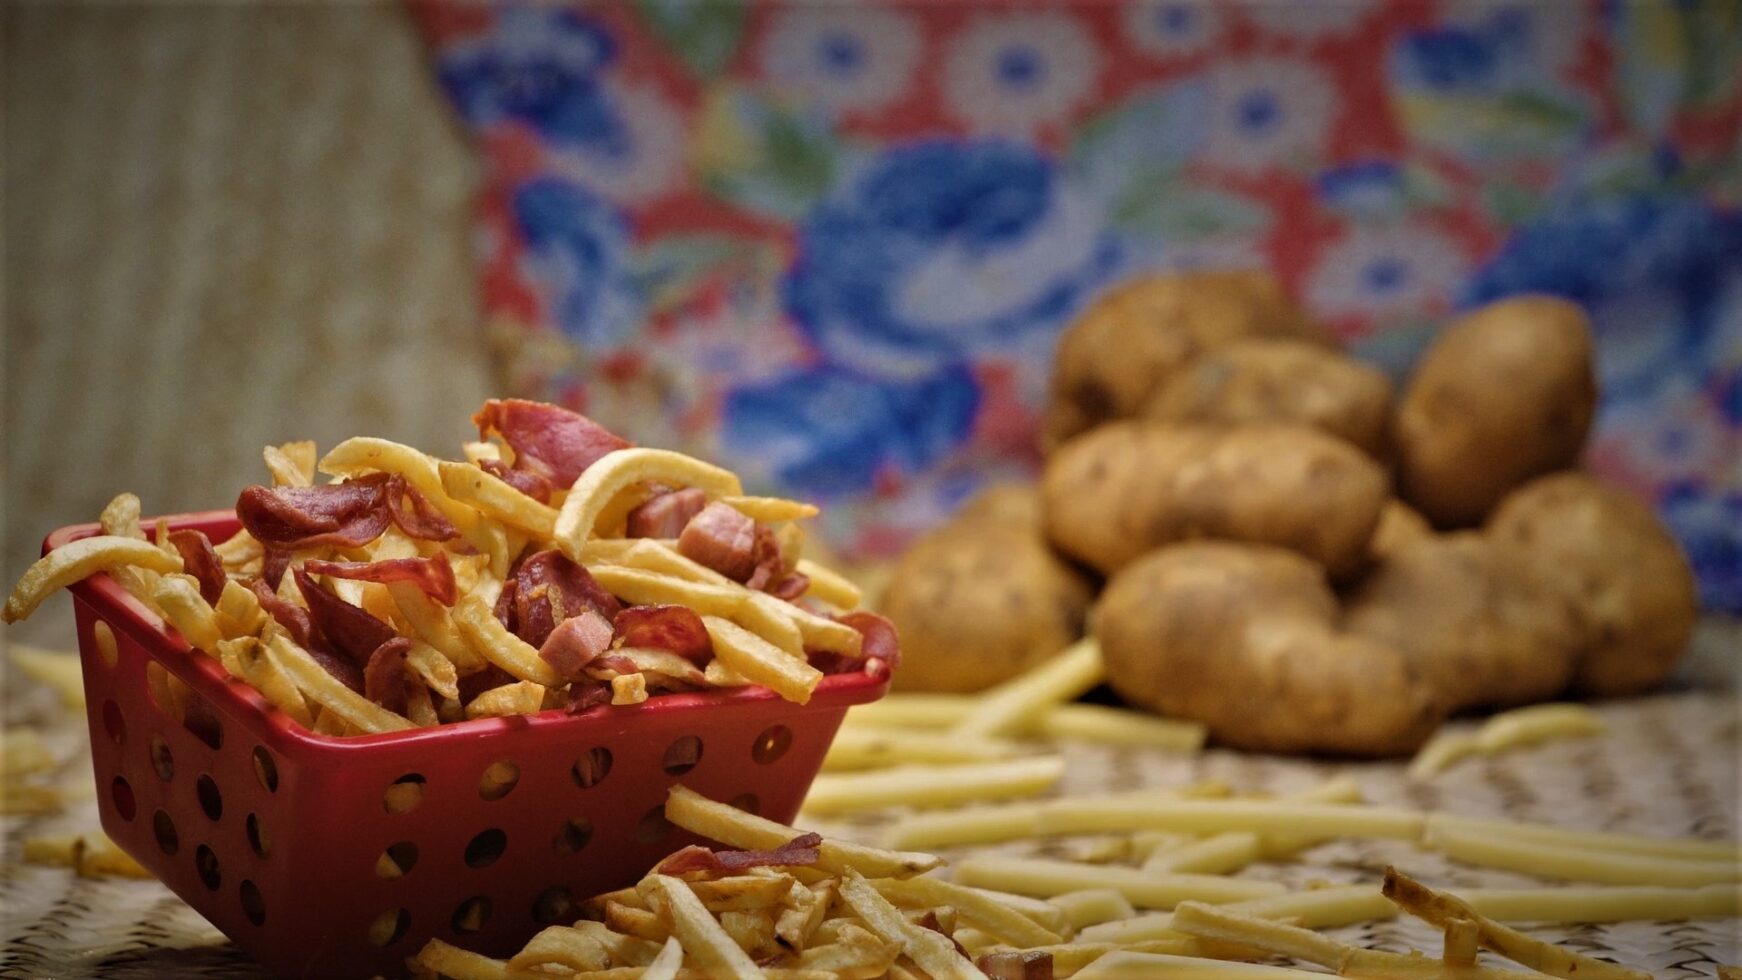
<point x="675" y="628"/>
<point x="587" y="695"/>
<point x="666" y="514"/>
<point x="880" y="640"/>
<point x="551" y="442"/>
<point x="575" y="643"/>
<point x="547" y="589"/>
<point x="386" y="680"/>
<point x="415" y="515"/>
<point x="200" y="560"/>
<point x="472" y="685"/>
<point x="339" y="626"/>
<point x="289" y="615"/>
<point x="789" y="586"/>
<point x="801" y="851"/>
<point x="434" y="575"/>
<point x="345" y="515"/>
<point x="722" y="538"/>
<point x="526" y="481"/>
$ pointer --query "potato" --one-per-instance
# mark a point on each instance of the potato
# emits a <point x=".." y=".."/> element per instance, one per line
<point x="982" y="598"/>
<point x="1112" y="494"/>
<point x="1625" y="576"/>
<point x="1243" y="638"/>
<point x="1399" y="527"/>
<point x="1280" y="380"/>
<point x="1472" y="618"/>
<point x="1132" y="337"/>
<point x="1504" y="394"/>
<point x="1005" y="503"/>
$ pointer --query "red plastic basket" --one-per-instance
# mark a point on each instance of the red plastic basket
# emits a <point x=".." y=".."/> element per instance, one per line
<point x="276" y="834"/>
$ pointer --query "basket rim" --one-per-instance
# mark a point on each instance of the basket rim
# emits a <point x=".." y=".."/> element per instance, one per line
<point x="205" y="674"/>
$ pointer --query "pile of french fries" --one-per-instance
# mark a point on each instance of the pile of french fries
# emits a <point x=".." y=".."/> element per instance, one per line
<point x="858" y="911"/>
<point x="756" y="638"/>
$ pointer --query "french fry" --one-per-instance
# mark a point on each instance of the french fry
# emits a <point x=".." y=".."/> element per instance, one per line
<point x="666" y="964"/>
<point x="751" y="929"/>
<point x="933" y="952"/>
<point x="432" y="623"/>
<point x="496" y="498"/>
<point x="1218" y="854"/>
<point x="901" y="710"/>
<point x="291" y="464"/>
<point x="828" y="585"/>
<point x="59" y="671"/>
<point x="433" y="668"/>
<point x="1063" y="678"/>
<point x="562" y="946"/>
<point x="1126" y="964"/>
<point x="638" y="922"/>
<point x="1545" y="860"/>
<point x="22" y="753"/>
<point x="1441" y="752"/>
<point x="492" y="641"/>
<point x="765" y="616"/>
<point x="1093" y="906"/>
<point x="735" y="828"/>
<point x="1439" y="908"/>
<point x="508" y="700"/>
<point x="1119" y="726"/>
<point x="238" y="611"/>
<point x="365" y="454"/>
<point x="1009" y="821"/>
<point x="1207" y="922"/>
<point x="1598" y="840"/>
<point x="858" y="955"/>
<point x="1536" y="723"/>
<point x="718" y="674"/>
<point x="743" y="893"/>
<point x="1044" y="877"/>
<point x="1323" y="908"/>
<point x="120" y="517"/>
<point x="809" y="906"/>
<point x="703" y="938"/>
<point x="996" y="918"/>
<point x="324" y="689"/>
<point x="761" y="661"/>
<point x="1278" y="847"/>
<point x="870" y="748"/>
<point x="771" y="510"/>
<point x="627" y="949"/>
<point x="1070" y="816"/>
<point x="245" y="657"/>
<point x="76" y="560"/>
<point x="641" y="587"/>
<point x="179" y="598"/>
<point x="628" y="689"/>
<point x="443" y="960"/>
<point x="933" y="785"/>
<point x="615" y="472"/>
<point x="1605" y="903"/>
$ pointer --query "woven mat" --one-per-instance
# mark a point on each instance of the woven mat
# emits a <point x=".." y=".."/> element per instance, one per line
<point x="1668" y="766"/>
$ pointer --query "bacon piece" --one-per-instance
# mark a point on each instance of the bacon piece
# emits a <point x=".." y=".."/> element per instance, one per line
<point x="526" y="481"/>
<point x="340" y="626"/>
<point x="200" y="560"/>
<point x="666" y="515"/>
<point x="548" y="588"/>
<point x="575" y="643"/>
<point x="1016" y="964"/>
<point x="434" y="575"/>
<point x="489" y="678"/>
<point x="289" y="615"/>
<point x="504" y="608"/>
<point x="801" y="851"/>
<point x="345" y="515"/>
<point x="550" y="441"/>
<point x="386" y="681"/>
<point x="770" y="563"/>
<point x="273" y="563"/>
<point x="584" y="696"/>
<point x="616" y="663"/>
<point x="415" y="515"/>
<point x="789" y="586"/>
<point x="675" y="628"/>
<point x="880" y="640"/>
<point x="723" y="539"/>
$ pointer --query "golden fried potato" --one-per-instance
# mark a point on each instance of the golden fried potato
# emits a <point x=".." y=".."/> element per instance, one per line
<point x="982" y="599"/>
<point x="1140" y="332"/>
<point x="1243" y="638"/>
<point x="1280" y="380"/>
<point x="1504" y="394"/>
<point x="1112" y="494"/>
<point x="1472" y="618"/>
<point x="1623" y="573"/>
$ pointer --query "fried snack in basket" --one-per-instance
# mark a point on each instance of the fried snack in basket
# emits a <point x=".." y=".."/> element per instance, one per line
<point x="556" y="566"/>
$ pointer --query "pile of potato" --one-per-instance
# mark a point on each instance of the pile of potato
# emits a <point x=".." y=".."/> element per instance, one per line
<point x="1267" y="540"/>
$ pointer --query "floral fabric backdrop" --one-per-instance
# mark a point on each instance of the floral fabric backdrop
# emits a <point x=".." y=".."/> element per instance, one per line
<point x="834" y="244"/>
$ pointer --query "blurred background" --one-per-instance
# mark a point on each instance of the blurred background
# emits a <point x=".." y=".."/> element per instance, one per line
<point x="833" y="245"/>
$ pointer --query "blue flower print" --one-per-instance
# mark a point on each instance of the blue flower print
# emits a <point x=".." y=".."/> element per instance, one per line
<point x="829" y="431"/>
<point x="1709" y="526"/>
<point x="937" y="250"/>
<point x="578" y="254"/>
<point x="542" y="67"/>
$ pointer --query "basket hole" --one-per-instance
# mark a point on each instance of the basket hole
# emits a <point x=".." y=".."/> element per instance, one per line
<point x="573" y="836"/>
<point x="591" y="769"/>
<point x="397" y="861"/>
<point x="164" y="828"/>
<point x="265" y="769"/>
<point x="206" y="863"/>
<point x="389" y="927"/>
<point x="471" y="914"/>
<point x="103" y="638"/>
<point x="682" y="755"/>
<point x="211" y="801"/>
<point x="257" y="837"/>
<point x="157" y="685"/>
<point x="199" y="719"/>
<point x="748" y="802"/>
<point x="498" y="780"/>
<point x="162" y="759"/>
<point x="253" y="905"/>
<point x="113" y="723"/>
<point x="771" y="744"/>
<point x="554" y="905"/>
<point x="404" y="794"/>
<point x="484" y="849"/>
<point x="122" y="794"/>
<point x="652" y="826"/>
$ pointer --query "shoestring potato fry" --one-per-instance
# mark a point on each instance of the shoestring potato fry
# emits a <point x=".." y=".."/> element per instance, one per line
<point x="554" y="566"/>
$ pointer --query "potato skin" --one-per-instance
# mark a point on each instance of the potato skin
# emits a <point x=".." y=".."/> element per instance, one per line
<point x="1113" y="355"/>
<point x="1625" y="576"/>
<point x="1504" y="394"/>
<point x="1242" y="637"/>
<point x="981" y="599"/>
<point x="1399" y="527"/>
<point x="1280" y="380"/>
<point x="1128" y="487"/>
<point x="1472" y="618"/>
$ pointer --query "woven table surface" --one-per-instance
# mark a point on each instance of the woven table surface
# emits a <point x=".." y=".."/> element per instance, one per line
<point x="1668" y="766"/>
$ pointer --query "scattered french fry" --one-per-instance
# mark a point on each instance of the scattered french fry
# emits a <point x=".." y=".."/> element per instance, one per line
<point x="870" y="748"/>
<point x="1119" y="726"/>
<point x="734" y="827"/>
<point x="58" y="671"/>
<point x="1003" y="709"/>
<point x="926" y="786"/>
<point x="1083" y="815"/>
<point x="1044" y="878"/>
<point x="1547" y="860"/>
